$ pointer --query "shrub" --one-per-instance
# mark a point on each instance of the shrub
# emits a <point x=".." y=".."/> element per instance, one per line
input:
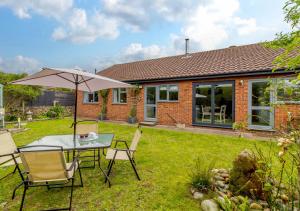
<point x="56" y="111"/>
<point x="132" y="112"/>
<point x="201" y="175"/>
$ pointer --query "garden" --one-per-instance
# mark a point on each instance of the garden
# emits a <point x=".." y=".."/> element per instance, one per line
<point x="165" y="161"/>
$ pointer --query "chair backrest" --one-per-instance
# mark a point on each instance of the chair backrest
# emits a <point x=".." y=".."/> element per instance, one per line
<point x="7" y="146"/>
<point x="43" y="166"/>
<point x="205" y="108"/>
<point x="223" y="109"/>
<point x="136" y="138"/>
<point x="85" y="127"/>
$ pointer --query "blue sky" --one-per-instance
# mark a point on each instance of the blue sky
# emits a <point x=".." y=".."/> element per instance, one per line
<point x="98" y="33"/>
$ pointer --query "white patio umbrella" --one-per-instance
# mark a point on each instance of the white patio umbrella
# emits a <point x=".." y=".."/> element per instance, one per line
<point x="70" y="79"/>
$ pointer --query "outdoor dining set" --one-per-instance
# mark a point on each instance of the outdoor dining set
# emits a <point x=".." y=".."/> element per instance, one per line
<point x="52" y="161"/>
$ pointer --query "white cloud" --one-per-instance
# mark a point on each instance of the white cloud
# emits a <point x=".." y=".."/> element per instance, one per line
<point x="79" y="28"/>
<point x="133" y="14"/>
<point x="132" y="52"/>
<point x="49" y="8"/>
<point x="212" y="24"/>
<point x="246" y="26"/>
<point x="19" y="64"/>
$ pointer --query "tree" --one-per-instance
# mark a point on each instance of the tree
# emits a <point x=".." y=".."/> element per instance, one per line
<point x="289" y="42"/>
<point x="14" y="95"/>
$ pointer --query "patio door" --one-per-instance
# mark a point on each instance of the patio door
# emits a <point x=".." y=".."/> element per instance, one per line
<point x="260" y="99"/>
<point x="213" y="104"/>
<point x="150" y="110"/>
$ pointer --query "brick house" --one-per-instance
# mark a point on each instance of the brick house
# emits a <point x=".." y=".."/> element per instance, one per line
<point x="212" y="88"/>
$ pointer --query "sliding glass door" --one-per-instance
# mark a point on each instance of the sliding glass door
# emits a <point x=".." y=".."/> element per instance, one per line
<point x="213" y="103"/>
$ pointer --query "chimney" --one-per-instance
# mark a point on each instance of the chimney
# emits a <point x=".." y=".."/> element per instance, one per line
<point x="187" y="46"/>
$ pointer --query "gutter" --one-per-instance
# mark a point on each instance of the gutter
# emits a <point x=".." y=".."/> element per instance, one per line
<point x="214" y="76"/>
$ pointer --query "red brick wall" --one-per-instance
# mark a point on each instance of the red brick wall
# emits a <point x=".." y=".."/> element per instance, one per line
<point x="89" y="110"/>
<point x="181" y="111"/>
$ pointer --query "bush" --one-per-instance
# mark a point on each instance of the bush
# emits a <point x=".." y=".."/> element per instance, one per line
<point x="11" y="117"/>
<point x="201" y="175"/>
<point x="56" y="111"/>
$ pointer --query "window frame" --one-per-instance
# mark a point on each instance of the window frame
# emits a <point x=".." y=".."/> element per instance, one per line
<point x="88" y="93"/>
<point x="118" y="96"/>
<point x="168" y="93"/>
<point x="283" y="102"/>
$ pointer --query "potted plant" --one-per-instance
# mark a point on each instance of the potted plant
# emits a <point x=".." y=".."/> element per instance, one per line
<point x="104" y="95"/>
<point x="132" y="115"/>
<point x="135" y="98"/>
<point x="241" y="127"/>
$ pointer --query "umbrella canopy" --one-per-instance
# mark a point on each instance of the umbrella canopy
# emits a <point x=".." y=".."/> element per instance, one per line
<point x="68" y="78"/>
<point x="71" y="79"/>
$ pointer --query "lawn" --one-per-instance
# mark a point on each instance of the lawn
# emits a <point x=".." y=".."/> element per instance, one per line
<point x="164" y="159"/>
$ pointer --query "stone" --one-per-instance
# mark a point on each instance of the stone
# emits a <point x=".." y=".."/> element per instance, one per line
<point x="193" y="190"/>
<point x="225" y="175"/>
<point x="209" y="205"/>
<point x="214" y="171"/>
<point x="243" y="178"/>
<point x="264" y="204"/>
<point x="255" y="206"/>
<point x="3" y="204"/>
<point x="198" y="195"/>
<point x="220" y="184"/>
<point x="217" y="177"/>
<point x="235" y="200"/>
<point x="221" y="194"/>
<point x="284" y="198"/>
<point x="222" y="171"/>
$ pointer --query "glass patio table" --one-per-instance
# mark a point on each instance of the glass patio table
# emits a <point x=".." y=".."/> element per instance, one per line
<point x="101" y="141"/>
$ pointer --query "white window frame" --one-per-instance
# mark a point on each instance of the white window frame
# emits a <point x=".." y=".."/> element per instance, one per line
<point x="119" y="90"/>
<point x="88" y="93"/>
<point x="168" y="93"/>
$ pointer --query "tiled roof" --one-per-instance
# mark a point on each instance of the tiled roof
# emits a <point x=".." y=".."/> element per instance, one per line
<point x="236" y="59"/>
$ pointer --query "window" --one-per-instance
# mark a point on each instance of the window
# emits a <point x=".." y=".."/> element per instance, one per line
<point x="120" y="95"/>
<point x="288" y="90"/>
<point x="168" y="93"/>
<point x="90" y="97"/>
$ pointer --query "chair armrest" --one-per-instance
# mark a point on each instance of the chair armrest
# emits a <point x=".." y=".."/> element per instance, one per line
<point x="5" y="155"/>
<point x="123" y="141"/>
<point x="76" y="160"/>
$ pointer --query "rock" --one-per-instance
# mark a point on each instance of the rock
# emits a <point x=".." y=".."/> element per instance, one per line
<point x="226" y="186"/>
<point x="224" y="175"/>
<point x="209" y="205"/>
<point x="221" y="199"/>
<point x="235" y="200"/>
<point x="3" y="204"/>
<point x="264" y="204"/>
<point x="220" y="184"/>
<point x="222" y="171"/>
<point x="198" y="195"/>
<point x="243" y="178"/>
<point x="284" y="198"/>
<point x="256" y="206"/>
<point x="193" y="190"/>
<point x="217" y="177"/>
<point x="221" y="194"/>
<point x="214" y="171"/>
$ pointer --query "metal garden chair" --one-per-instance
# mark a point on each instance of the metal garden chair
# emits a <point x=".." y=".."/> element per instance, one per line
<point x="8" y="155"/>
<point x="114" y="154"/>
<point x="46" y="166"/>
<point x="83" y="129"/>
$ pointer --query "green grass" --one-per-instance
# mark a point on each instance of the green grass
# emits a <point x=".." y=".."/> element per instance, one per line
<point x="164" y="159"/>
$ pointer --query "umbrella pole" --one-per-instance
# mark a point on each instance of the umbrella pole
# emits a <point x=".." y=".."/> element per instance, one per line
<point x="75" y="115"/>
